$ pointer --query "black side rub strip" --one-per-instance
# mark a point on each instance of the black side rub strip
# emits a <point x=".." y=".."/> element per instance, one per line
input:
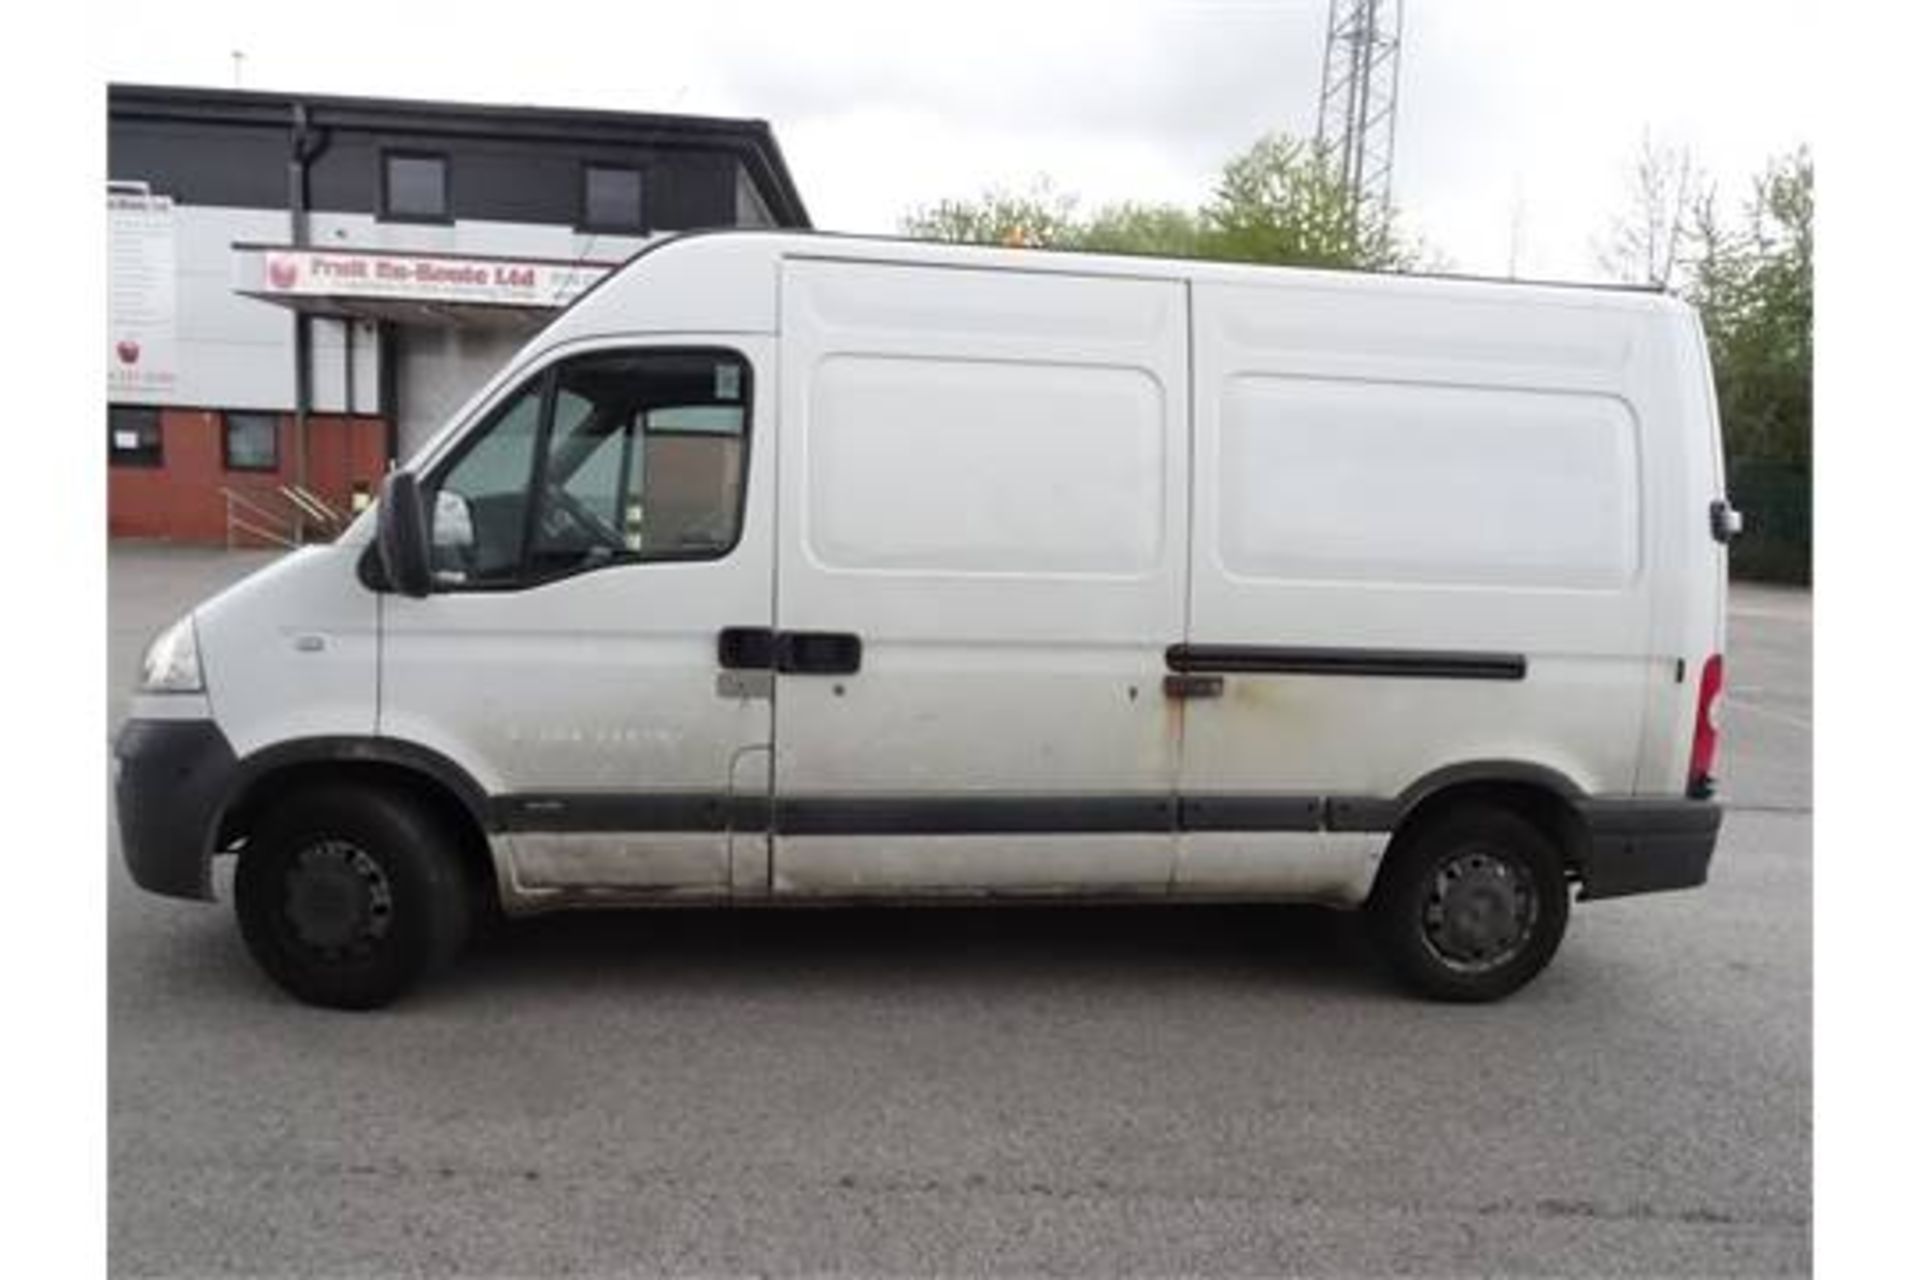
<point x="1434" y="664"/>
<point x="856" y="815"/>
<point x="971" y="815"/>
<point x="616" y="811"/>
<point x="927" y="815"/>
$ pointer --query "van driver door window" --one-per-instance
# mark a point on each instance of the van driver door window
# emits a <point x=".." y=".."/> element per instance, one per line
<point x="621" y="457"/>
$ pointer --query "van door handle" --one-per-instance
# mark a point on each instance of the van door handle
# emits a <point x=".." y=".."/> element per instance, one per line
<point x="746" y="649"/>
<point x="817" y="653"/>
<point x="808" y="653"/>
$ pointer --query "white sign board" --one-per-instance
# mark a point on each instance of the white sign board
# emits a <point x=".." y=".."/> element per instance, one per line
<point x="423" y="277"/>
<point x="140" y="297"/>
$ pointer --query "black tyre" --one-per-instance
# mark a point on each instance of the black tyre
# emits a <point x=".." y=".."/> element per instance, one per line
<point x="348" y="895"/>
<point x="1472" y="906"/>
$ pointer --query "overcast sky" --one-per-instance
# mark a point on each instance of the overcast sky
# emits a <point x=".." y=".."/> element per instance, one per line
<point x="1515" y="115"/>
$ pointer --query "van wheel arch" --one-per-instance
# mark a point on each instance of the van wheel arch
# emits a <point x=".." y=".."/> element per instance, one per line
<point x="1545" y="799"/>
<point x="438" y="785"/>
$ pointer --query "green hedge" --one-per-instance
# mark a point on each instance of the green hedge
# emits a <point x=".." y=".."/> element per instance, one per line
<point x="1776" y="500"/>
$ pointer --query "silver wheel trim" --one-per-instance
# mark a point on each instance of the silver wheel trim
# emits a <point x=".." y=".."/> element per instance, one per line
<point x="311" y="905"/>
<point x="1478" y="910"/>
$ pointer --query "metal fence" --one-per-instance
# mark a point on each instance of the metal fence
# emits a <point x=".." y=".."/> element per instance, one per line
<point x="1776" y="500"/>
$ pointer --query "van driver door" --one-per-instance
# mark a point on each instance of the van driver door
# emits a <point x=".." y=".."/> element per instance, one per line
<point x="595" y="532"/>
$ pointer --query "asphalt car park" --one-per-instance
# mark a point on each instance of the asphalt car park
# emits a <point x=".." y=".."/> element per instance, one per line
<point x="1143" y="1090"/>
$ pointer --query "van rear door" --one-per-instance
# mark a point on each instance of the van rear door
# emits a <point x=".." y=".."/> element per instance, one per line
<point x="981" y="561"/>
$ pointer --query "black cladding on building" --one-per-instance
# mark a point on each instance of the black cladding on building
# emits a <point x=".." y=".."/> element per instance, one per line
<point x="504" y="164"/>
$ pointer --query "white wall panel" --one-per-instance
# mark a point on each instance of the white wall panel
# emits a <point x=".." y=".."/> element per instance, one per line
<point x="233" y="352"/>
<point x="330" y="355"/>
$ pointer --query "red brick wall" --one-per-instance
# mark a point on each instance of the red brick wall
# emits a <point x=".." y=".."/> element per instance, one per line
<point x="181" y="500"/>
<point x="341" y="451"/>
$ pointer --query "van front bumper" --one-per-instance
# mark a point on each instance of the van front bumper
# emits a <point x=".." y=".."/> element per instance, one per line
<point x="1647" y="846"/>
<point x="170" y="780"/>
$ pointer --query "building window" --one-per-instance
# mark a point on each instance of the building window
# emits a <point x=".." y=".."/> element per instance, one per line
<point x="252" y="442"/>
<point x="133" y="436"/>
<point x="414" y="187"/>
<point x="749" y="210"/>
<point x="612" y="200"/>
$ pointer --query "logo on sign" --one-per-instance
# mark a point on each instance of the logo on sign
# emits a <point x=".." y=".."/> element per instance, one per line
<point x="282" y="273"/>
<point x="128" y="350"/>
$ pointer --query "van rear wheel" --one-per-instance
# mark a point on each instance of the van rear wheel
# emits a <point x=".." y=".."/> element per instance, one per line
<point x="1472" y="907"/>
<point x="348" y="895"/>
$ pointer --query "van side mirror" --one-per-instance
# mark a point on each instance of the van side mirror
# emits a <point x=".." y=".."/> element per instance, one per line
<point x="401" y="535"/>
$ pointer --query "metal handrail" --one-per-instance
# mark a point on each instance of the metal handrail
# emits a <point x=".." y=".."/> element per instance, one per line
<point x="310" y="514"/>
<point x="275" y="535"/>
<point x="312" y="504"/>
<point x="235" y="522"/>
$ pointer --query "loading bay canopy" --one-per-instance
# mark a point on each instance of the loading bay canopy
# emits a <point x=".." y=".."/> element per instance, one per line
<point x="457" y="290"/>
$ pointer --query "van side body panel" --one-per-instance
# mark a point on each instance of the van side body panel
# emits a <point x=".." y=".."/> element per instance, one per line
<point x="1393" y="475"/>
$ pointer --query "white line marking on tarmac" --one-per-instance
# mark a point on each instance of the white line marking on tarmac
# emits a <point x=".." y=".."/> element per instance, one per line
<point x="1771" y="714"/>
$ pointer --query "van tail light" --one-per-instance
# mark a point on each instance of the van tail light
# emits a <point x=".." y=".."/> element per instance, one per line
<point x="1706" y="729"/>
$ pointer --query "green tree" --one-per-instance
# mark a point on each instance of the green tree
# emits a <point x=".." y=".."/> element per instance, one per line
<point x="1279" y="202"/>
<point x="1165" y="230"/>
<point x="1646" y="242"/>
<point x="1038" y="218"/>
<point x="1752" y="280"/>
<point x="1282" y="201"/>
<point x="1753" y="285"/>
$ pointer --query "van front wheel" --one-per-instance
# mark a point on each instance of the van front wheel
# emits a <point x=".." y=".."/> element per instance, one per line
<point x="348" y="895"/>
<point x="1472" y="907"/>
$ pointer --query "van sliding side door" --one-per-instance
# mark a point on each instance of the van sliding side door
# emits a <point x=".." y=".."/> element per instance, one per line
<point x="981" y="563"/>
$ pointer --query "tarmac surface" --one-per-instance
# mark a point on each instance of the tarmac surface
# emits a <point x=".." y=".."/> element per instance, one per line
<point x="1033" y="1090"/>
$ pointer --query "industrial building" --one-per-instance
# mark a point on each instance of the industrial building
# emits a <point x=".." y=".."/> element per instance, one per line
<point x="302" y="287"/>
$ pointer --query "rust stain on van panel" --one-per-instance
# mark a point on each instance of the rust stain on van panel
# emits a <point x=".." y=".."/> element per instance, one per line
<point x="1173" y="718"/>
<point x="1264" y="693"/>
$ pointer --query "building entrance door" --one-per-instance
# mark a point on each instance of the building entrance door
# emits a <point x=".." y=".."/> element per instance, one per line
<point x="437" y="367"/>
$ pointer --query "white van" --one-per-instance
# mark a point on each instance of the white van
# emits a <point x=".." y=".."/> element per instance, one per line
<point x="789" y="568"/>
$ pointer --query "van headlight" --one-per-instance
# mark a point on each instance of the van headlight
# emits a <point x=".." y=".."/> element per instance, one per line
<point x="172" y="664"/>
